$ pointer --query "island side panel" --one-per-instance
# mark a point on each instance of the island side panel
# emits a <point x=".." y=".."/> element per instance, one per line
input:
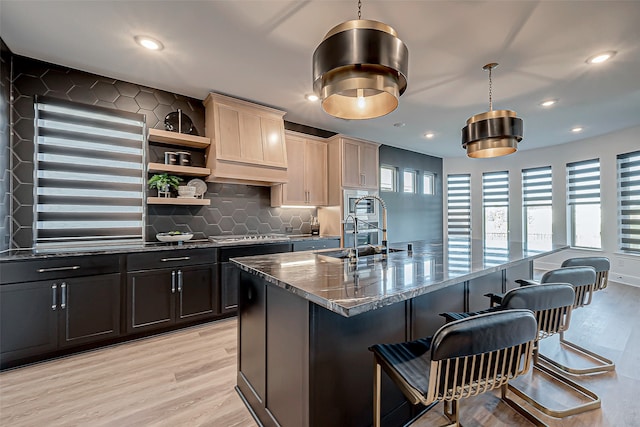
<point x="524" y="270"/>
<point x="287" y="397"/>
<point x="252" y="353"/>
<point x="341" y="366"/>
<point x="426" y="309"/>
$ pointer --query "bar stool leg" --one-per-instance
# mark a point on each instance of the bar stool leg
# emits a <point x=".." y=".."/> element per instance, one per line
<point x="377" y="374"/>
<point x="602" y="364"/>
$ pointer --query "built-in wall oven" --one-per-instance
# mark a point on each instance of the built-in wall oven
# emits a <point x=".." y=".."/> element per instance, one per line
<point x="367" y="215"/>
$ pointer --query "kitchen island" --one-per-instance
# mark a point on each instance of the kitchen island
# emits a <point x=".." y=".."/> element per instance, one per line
<point x="306" y="321"/>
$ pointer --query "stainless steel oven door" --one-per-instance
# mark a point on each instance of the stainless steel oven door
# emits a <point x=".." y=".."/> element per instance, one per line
<point x="367" y="209"/>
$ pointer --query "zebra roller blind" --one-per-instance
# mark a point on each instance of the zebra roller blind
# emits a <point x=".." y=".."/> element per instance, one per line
<point x="629" y="201"/>
<point x="459" y="223"/>
<point x="89" y="184"/>
<point x="583" y="183"/>
<point x="536" y="186"/>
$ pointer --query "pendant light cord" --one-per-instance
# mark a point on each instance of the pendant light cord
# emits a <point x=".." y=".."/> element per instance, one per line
<point x="490" y="90"/>
<point x="359" y="9"/>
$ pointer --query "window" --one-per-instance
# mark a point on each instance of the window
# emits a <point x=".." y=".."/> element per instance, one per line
<point x="89" y="175"/>
<point x="583" y="191"/>
<point x="537" y="208"/>
<point x="459" y="223"/>
<point x="428" y="183"/>
<point x="495" y="203"/>
<point x="409" y="181"/>
<point x="629" y="201"/>
<point x="388" y="178"/>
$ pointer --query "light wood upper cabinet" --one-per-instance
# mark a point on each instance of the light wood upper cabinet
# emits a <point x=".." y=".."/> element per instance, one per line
<point x="359" y="164"/>
<point x="247" y="142"/>
<point x="307" y="171"/>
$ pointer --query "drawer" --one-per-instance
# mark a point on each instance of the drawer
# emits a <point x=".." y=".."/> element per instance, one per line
<point x="308" y="245"/>
<point x="57" y="268"/>
<point x="171" y="258"/>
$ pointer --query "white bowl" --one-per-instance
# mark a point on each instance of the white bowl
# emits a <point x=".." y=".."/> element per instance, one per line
<point x="166" y="237"/>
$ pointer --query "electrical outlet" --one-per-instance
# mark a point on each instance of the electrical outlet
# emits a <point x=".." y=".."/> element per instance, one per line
<point x="288" y="229"/>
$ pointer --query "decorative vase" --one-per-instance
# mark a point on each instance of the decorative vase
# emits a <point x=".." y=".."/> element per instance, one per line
<point x="164" y="191"/>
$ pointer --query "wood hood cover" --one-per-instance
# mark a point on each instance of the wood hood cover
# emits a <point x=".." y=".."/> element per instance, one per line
<point x="247" y="142"/>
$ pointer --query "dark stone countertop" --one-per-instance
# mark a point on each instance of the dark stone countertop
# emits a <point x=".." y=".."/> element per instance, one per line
<point x="348" y="290"/>
<point x="30" y="253"/>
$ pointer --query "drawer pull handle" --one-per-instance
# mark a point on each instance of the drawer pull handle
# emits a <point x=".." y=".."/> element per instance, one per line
<point x="54" y="302"/>
<point x="63" y="291"/>
<point x="46" y="270"/>
<point x="182" y="258"/>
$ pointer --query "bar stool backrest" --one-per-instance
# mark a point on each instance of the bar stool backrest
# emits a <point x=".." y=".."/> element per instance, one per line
<point x="480" y="353"/>
<point x="583" y="280"/>
<point x="599" y="263"/>
<point x="551" y="304"/>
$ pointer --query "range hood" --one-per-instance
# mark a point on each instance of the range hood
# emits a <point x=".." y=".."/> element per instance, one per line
<point x="247" y="142"/>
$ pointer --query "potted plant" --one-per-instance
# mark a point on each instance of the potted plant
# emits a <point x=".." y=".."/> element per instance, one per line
<point x="164" y="183"/>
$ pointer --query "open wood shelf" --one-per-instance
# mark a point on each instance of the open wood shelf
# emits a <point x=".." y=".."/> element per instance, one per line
<point x="175" y="138"/>
<point x="178" y="170"/>
<point x="176" y="201"/>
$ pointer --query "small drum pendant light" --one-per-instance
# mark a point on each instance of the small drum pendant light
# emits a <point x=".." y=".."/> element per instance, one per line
<point x="494" y="133"/>
<point x="360" y="69"/>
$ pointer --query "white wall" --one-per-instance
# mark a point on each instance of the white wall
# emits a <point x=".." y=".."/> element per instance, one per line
<point x="625" y="268"/>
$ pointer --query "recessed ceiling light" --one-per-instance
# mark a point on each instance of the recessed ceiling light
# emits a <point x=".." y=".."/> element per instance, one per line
<point x="312" y="97"/>
<point x="576" y="129"/>
<point x="149" y="42"/>
<point x="429" y="135"/>
<point x="601" y="57"/>
<point x="399" y="124"/>
<point x="548" y="103"/>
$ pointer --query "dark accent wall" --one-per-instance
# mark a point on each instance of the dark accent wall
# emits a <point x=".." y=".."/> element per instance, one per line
<point x="235" y="209"/>
<point x="413" y="216"/>
<point x="5" y="154"/>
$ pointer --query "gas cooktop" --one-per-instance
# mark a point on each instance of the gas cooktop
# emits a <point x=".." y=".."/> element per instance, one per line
<point x="250" y="238"/>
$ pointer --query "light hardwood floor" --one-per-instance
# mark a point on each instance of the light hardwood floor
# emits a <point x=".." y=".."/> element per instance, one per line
<point x="186" y="378"/>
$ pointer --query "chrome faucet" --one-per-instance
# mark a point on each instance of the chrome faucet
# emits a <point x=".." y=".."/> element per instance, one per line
<point x="353" y="252"/>
<point x="384" y="221"/>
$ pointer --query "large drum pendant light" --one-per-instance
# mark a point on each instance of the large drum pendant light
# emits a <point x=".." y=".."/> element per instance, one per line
<point x="360" y="69"/>
<point x="494" y="133"/>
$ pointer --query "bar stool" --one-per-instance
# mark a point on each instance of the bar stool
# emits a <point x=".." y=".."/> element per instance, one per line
<point x="464" y="358"/>
<point x="600" y="264"/>
<point x="551" y="304"/>
<point x="583" y="279"/>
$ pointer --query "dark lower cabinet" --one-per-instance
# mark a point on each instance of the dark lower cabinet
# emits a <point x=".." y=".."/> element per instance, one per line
<point x="229" y="278"/>
<point x="44" y="316"/>
<point x="163" y="297"/>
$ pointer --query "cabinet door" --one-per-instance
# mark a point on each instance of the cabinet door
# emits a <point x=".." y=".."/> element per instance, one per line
<point x="350" y="164"/>
<point x="294" y="191"/>
<point x="89" y="309"/>
<point x="315" y="164"/>
<point x="369" y="166"/>
<point x="196" y="293"/>
<point x="251" y="138"/>
<point x="273" y="142"/>
<point x="151" y="299"/>
<point x="228" y="135"/>
<point x="28" y="319"/>
<point x="229" y="279"/>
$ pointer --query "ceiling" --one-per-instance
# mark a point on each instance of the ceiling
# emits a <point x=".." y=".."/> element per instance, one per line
<point x="261" y="51"/>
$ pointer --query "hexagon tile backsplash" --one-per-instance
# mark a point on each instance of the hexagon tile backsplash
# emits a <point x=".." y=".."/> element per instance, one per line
<point x="234" y="209"/>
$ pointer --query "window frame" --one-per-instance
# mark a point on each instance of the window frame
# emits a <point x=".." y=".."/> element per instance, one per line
<point x="628" y="202"/>
<point x="432" y="183"/>
<point x="394" y="178"/>
<point x="581" y="191"/>
<point x="537" y="191"/>
<point x="414" y="181"/>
